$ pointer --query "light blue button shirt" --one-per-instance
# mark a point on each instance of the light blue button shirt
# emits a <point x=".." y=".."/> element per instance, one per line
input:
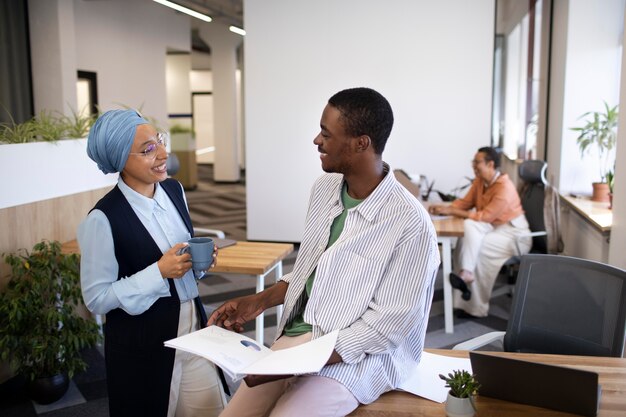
<point x="102" y="291"/>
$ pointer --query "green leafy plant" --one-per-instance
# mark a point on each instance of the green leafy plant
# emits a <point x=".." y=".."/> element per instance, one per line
<point x="177" y="128"/>
<point x="462" y="384"/>
<point x="610" y="179"/>
<point x="41" y="333"/>
<point x="46" y="127"/>
<point x="599" y="133"/>
<point x="77" y="125"/>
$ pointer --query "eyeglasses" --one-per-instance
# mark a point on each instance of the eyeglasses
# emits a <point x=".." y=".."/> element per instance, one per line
<point x="476" y="162"/>
<point x="151" y="149"/>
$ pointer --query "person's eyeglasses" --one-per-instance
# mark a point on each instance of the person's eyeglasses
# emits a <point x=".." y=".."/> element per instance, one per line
<point x="151" y="149"/>
<point x="476" y="162"/>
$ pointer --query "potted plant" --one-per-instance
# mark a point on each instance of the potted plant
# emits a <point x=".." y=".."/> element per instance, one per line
<point x="610" y="179"/>
<point x="600" y="134"/>
<point x="463" y="387"/>
<point x="57" y="145"/>
<point x="41" y="333"/>
<point x="184" y="150"/>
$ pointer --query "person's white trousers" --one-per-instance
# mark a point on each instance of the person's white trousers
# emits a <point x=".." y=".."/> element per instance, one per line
<point x="483" y="250"/>
<point x="301" y="396"/>
<point x="196" y="389"/>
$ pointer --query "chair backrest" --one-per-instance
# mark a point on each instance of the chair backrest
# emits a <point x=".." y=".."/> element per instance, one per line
<point x="532" y="195"/>
<point x="568" y="306"/>
<point x="404" y="179"/>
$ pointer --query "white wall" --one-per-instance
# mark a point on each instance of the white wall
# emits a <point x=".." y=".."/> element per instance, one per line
<point x="53" y="55"/>
<point x="125" y="42"/>
<point x="432" y="60"/>
<point x="178" y="82"/>
<point x="224" y="44"/>
<point x="203" y="120"/>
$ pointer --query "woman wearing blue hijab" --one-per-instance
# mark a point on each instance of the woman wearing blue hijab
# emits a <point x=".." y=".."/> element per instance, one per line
<point x="132" y="272"/>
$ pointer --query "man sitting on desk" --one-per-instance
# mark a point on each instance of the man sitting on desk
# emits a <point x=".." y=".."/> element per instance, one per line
<point x="366" y="267"/>
<point x="491" y="231"/>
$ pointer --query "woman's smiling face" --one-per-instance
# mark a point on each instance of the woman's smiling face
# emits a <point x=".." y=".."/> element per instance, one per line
<point x="142" y="171"/>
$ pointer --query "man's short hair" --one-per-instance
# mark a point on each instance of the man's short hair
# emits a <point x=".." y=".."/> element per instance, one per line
<point x="365" y="112"/>
<point x="491" y="154"/>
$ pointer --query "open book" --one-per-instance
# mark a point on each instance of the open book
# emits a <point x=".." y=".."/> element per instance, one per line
<point x="239" y="355"/>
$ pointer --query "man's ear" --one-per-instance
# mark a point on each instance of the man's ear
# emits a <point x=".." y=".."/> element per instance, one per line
<point x="363" y="142"/>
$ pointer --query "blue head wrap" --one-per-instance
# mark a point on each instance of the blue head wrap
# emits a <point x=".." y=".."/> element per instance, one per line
<point x="111" y="138"/>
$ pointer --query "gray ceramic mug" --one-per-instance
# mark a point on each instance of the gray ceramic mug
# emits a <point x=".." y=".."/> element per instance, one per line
<point x="201" y="251"/>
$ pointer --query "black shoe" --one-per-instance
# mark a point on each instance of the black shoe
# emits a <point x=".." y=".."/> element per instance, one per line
<point x="462" y="314"/>
<point x="458" y="283"/>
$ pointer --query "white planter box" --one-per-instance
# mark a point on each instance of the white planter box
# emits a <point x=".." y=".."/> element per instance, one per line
<point x="38" y="171"/>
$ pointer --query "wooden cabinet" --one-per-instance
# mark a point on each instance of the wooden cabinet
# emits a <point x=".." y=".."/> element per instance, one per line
<point x="586" y="228"/>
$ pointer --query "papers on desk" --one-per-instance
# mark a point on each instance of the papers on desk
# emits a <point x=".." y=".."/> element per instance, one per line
<point x="424" y="378"/>
<point x="439" y="217"/>
<point x="239" y="355"/>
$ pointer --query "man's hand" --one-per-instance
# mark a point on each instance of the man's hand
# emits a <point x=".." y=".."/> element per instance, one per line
<point x="173" y="265"/>
<point x="233" y="314"/>
<point x="448" y="210"/>
<point x="439" y="209"/>
<point x="254" y="380"/>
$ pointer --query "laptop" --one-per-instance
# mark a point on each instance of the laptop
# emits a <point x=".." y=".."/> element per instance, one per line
<point x="549" y="386"/>
<point x="223" y="243"/>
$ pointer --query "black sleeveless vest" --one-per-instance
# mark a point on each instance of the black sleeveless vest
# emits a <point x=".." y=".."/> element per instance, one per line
<point x="139" y="368"/>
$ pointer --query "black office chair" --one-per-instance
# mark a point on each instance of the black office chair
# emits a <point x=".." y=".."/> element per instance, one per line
<point x="533" y="199"/>
<point x="564" y="305"/>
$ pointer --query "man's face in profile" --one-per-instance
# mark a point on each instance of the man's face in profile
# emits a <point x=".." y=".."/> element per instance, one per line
<point x="333" y="143"/>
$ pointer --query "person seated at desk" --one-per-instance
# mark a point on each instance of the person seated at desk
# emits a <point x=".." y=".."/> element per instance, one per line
<point x="490" y="232"/>
<point x="366" y="267"/>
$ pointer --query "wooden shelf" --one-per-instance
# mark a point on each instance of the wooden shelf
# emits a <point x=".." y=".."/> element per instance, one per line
<point x="596" y="213"/>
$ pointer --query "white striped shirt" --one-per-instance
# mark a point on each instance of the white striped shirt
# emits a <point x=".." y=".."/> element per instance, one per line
<point x="375" y="284"/>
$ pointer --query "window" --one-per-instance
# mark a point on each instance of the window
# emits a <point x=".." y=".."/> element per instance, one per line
<point x="16" y="95"/>
<point x="87" y="93"/>
<point x="517" y="89"/>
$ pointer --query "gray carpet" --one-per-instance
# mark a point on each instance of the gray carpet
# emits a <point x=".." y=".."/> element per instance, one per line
<point x="223" y="206"/>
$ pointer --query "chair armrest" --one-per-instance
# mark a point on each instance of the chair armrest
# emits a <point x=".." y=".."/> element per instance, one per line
<point x="480" y="341"/>
<point x="214" y="232"/>
<point x="530" y="234"/>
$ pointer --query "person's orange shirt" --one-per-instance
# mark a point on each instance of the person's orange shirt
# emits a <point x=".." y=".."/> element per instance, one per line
<point x="497" y="204"/>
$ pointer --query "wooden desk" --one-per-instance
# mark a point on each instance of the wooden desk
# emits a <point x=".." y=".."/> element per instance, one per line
<point x="448" y="230"/>
<point x="255" y="258"/>
<point x="612" y="372"/>
<point x="248" y="258"/>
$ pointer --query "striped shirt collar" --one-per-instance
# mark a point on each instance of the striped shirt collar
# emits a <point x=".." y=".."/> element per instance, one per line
<point x="370" y="206"/>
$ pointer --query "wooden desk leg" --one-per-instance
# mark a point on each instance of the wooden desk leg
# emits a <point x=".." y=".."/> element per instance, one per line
<point x="260" y="285"/>
<point x="259" y="329"/>
<point x="278" y="275"/>
<point x="446" y="253"/>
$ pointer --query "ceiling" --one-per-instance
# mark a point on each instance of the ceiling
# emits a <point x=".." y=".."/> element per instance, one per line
<point x="229" y="12"/>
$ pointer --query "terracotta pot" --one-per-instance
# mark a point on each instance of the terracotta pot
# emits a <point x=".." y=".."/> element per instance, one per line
<point x="600" y="191"/>
<point x="459" y="407"/>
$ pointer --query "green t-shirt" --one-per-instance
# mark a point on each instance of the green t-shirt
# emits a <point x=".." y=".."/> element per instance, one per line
<point x="298" y="326"/>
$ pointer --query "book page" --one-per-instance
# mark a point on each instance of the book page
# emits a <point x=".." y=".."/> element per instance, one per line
<point x="302" y="359"/>
<point x="424" y="378"/>
<point x="238" y="355"/>
<point x="229" y="350"/>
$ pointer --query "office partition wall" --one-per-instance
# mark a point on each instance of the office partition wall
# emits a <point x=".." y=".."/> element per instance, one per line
<point x="432" y="60"/>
